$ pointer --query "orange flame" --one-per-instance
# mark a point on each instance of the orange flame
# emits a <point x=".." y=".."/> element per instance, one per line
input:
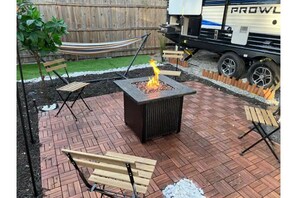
<point x="153" y="82"/>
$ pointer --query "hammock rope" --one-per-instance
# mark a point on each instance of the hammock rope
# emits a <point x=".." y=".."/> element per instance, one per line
<point x="95" y="48"/>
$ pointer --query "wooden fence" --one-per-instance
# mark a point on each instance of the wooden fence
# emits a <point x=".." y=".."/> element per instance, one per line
<point x="93" y="21"/>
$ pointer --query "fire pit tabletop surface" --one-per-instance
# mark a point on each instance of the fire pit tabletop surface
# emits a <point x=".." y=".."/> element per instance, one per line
<point x="128" y="86"/>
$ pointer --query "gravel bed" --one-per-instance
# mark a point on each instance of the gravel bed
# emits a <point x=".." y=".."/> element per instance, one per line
<point x="207" y="60"/>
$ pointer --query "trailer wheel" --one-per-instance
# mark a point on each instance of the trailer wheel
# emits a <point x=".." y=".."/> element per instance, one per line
<point x="230" y="64"/>
<point x="264" y="73"/>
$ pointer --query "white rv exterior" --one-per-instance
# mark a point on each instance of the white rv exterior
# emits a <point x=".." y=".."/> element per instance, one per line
<point x="263" y="18"/>
<point x="248" y="31"/>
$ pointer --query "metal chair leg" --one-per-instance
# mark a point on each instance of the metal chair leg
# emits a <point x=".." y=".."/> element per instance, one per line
<point x="65" y="103"/>
<point x="264" y="136"/>
<point x="77" y="97"/>
<point x="270" y="140"/>
<point x="85" y="103"/>
<point x="103" y="190"/>
<point x="241" y="136"/>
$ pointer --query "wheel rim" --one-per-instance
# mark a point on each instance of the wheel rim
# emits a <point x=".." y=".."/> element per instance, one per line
<point x="228" y="67"/>
<point x="262" y="76"/>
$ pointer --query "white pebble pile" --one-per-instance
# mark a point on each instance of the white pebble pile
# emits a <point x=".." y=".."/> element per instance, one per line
<point x="184" y="188"/>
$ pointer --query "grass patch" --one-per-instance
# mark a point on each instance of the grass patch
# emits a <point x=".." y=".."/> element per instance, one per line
<point x="31" y="70"/>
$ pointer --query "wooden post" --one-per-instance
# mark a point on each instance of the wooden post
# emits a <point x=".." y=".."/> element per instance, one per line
<point x="256" y="90"/>
<point x="204" y="72"/>
<point x="210" y="74"/>
<point x="233" y="81"/>
<point x="260" y="91"/>
<point x="246" y="84"/>
<point x="254" y="86"/>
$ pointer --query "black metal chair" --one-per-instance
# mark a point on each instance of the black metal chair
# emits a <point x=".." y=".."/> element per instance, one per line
<point x="69" y="88"/>
<point x="260" y="117"/>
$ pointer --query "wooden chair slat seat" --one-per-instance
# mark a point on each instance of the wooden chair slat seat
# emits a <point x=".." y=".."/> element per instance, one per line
<point x="248" y="113"/>
<point x="173" y="56"/>
<point x="260" y="117"/>
<point x="117" y="183"/>
<point x="254" y="114"/>
<point x="111" y="169"/>
<point x="173" y="52"/>
<point x="265" y="116"/>
<point x="121" y="176"/>
<point x="105" y="166"/>
<point x="272" y="119"/>
<point x="53" y="68"/>
<point x="137" y="159"/>
<point x="72" y="87"/>
<point x="50" y="63"/>
<point x="170" y="73"/>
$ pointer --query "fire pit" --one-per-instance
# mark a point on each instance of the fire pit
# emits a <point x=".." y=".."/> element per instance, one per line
<point x="153" y="112"/>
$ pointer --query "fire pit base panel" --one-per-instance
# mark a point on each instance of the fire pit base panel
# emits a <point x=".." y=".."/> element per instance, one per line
<point x="153" y="119"/>
<point x="153" y="114"/>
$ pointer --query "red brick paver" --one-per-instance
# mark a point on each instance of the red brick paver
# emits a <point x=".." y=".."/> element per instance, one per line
<point x="205" y="151"/>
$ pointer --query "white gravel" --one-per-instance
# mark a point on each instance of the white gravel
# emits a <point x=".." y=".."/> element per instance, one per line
<point x="184" y="188"/>
<point x="75" y="74"/>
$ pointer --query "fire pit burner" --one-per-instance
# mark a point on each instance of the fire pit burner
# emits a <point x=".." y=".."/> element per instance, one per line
<point x="143" y="87"/>
<point x="154" y="114"/>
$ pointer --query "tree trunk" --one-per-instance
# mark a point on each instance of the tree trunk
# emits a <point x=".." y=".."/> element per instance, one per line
<point x="37" y="58"/>
<point x="43" y="86"/>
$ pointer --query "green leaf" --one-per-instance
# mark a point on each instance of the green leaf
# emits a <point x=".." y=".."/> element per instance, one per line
<point x="20" y="36"/>
<point x="34" y="38"/>
<point x="38" y="23"/>
<point x="50" y="24"/>
<point x="41" y="34"/>
<point x="34" y="33"/>
<point x="36" y="13"/>
<point x="41" y="43"/>
<point x="29" y="22"/>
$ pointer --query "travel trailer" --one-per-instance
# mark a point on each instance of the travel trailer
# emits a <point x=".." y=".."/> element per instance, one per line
<point x="246" y="33"/>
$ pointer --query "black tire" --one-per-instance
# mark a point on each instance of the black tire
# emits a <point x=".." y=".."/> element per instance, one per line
<point x="264" y="73"/>
<point x="230" y="64"/>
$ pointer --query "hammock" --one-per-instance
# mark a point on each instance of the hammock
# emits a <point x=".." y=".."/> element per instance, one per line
<point x="95" y="48"/>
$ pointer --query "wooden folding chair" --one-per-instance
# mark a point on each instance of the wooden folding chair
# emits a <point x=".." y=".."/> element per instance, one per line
<point x="261" y="117"/>
<point x="126" y="172"/>
<point x="173" y="54"/>
<point x="69" y="88"/>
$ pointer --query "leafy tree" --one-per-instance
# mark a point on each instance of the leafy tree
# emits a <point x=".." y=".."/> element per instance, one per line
<point x="36" y="35"/>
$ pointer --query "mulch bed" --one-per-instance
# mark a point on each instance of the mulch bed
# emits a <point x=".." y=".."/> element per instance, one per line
<point x="45" y="94"/>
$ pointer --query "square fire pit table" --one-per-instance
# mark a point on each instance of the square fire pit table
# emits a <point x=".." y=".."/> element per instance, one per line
<point x="154" y="114"/>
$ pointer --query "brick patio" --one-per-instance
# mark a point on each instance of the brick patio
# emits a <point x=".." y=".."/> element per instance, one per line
<point x="205" y="151"/>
